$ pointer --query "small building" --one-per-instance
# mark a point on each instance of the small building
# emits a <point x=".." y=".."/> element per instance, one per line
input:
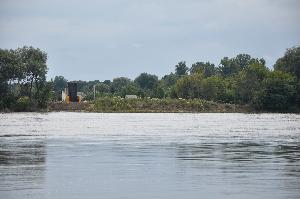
<point x="70" y="93"/>
<point x="131" y="97"/>
<point x="65" y="97"/>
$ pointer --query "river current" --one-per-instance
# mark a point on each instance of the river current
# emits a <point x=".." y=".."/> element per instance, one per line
<point x="137" y="156"/>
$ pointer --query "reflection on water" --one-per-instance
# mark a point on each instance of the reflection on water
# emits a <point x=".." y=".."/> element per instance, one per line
<point x="22" y="163"/>
<point x="80" y="155"/>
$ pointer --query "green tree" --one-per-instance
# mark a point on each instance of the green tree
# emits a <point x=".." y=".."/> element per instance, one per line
<point x="166" y="86"/>
<point x="249" y="81"/>
<point x="131" y="89"/>
<point x="298" y="94"/>
<point x="60" y="83"/>
<point x="34" y="61"/>
<point x="107" y="82"/>
<point x="102" y="88"/>
<point x="232" y="66"/>
<point x="244" y="60"/>
<point x="23" y="73"/>
<point x="189" y="86"/>
<point x="169" y="80"/>
<point x="181" y="69"/>
<point x="228" y="67"/>
<point x="278" y="92"/>
<point x="44" y="93"/>
<point x="119" y="83"/>
<point x="160" y="90"/>
<point x="146" y="81"/>
<point x="215" y="88"/>
<point x="207" y="69"/>
<point x="8" y="66"/>
<point x="290" y="62"/>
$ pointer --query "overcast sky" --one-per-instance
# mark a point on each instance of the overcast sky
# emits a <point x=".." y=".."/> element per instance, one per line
<point x="103" y="39"/>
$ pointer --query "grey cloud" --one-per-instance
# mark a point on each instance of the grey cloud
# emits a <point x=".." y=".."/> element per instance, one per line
<point x="103" y="39"/>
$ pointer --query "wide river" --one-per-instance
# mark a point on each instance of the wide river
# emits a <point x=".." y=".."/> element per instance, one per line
<point x="140" y="156"/>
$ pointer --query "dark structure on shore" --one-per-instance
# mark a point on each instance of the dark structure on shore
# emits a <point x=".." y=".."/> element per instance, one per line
<point x="72" y="92"/>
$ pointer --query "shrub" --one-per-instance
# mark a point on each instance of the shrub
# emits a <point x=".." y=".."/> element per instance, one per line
<point x="23" y="104"/>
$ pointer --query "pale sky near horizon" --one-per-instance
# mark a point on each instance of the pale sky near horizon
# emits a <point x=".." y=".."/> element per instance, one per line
<point x="103" y="39"/>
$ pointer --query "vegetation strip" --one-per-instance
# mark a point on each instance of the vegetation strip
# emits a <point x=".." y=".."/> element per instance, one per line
<point x="238" y="84"/>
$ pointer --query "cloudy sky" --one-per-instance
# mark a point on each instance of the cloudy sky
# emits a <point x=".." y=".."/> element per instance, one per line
<point x="103" y="39"/>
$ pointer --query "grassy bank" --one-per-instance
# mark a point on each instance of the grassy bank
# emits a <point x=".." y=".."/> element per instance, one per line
<point x="147" y="105"/>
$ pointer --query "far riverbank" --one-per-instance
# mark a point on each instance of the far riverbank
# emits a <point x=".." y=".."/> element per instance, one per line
<point x="147" y="105"/>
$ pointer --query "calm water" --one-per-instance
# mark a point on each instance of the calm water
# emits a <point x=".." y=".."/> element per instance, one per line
<point x="136" y="156"/>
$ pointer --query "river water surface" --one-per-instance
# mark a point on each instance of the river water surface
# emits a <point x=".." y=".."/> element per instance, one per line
<point x="136" y="156"/>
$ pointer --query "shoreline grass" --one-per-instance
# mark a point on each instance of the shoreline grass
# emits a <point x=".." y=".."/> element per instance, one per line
<point x="150" y="105"/>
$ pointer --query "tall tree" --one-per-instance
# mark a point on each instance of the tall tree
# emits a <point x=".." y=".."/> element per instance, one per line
<point x="146" y="81"/>
<point x="130" y="89"/>
<point x="119" y="83"/>
<point x="9" y="71"/>
<point x="189" y="86"/>
<point x="244" y="60"/>
<point x="232" y="66"/>
<point x="60" y="83"/>
<point x="24" y="69"/>
<point x="278" y="92"/>
<point x="181" y="68"/>
<point x="228" y="67"/>
<point x="34" y="61"/>
<point x="169" y="80"/>
<point x="249" y="82"/>
<point x="207" y="69"/>
<point x="290" y="62"/>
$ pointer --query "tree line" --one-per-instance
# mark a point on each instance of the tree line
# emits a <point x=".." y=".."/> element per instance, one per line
<point x="239" y="80"/>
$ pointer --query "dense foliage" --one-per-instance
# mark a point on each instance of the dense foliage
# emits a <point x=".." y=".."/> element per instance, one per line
<point x="118" y="104"/>
<point x="23" y="84"/>
<point x="242" y="80"/>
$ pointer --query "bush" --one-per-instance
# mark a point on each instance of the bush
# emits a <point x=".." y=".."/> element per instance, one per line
<point x="278" y="92"/>
<point x="112" y="104"/>
<point x="23" y="104"/>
